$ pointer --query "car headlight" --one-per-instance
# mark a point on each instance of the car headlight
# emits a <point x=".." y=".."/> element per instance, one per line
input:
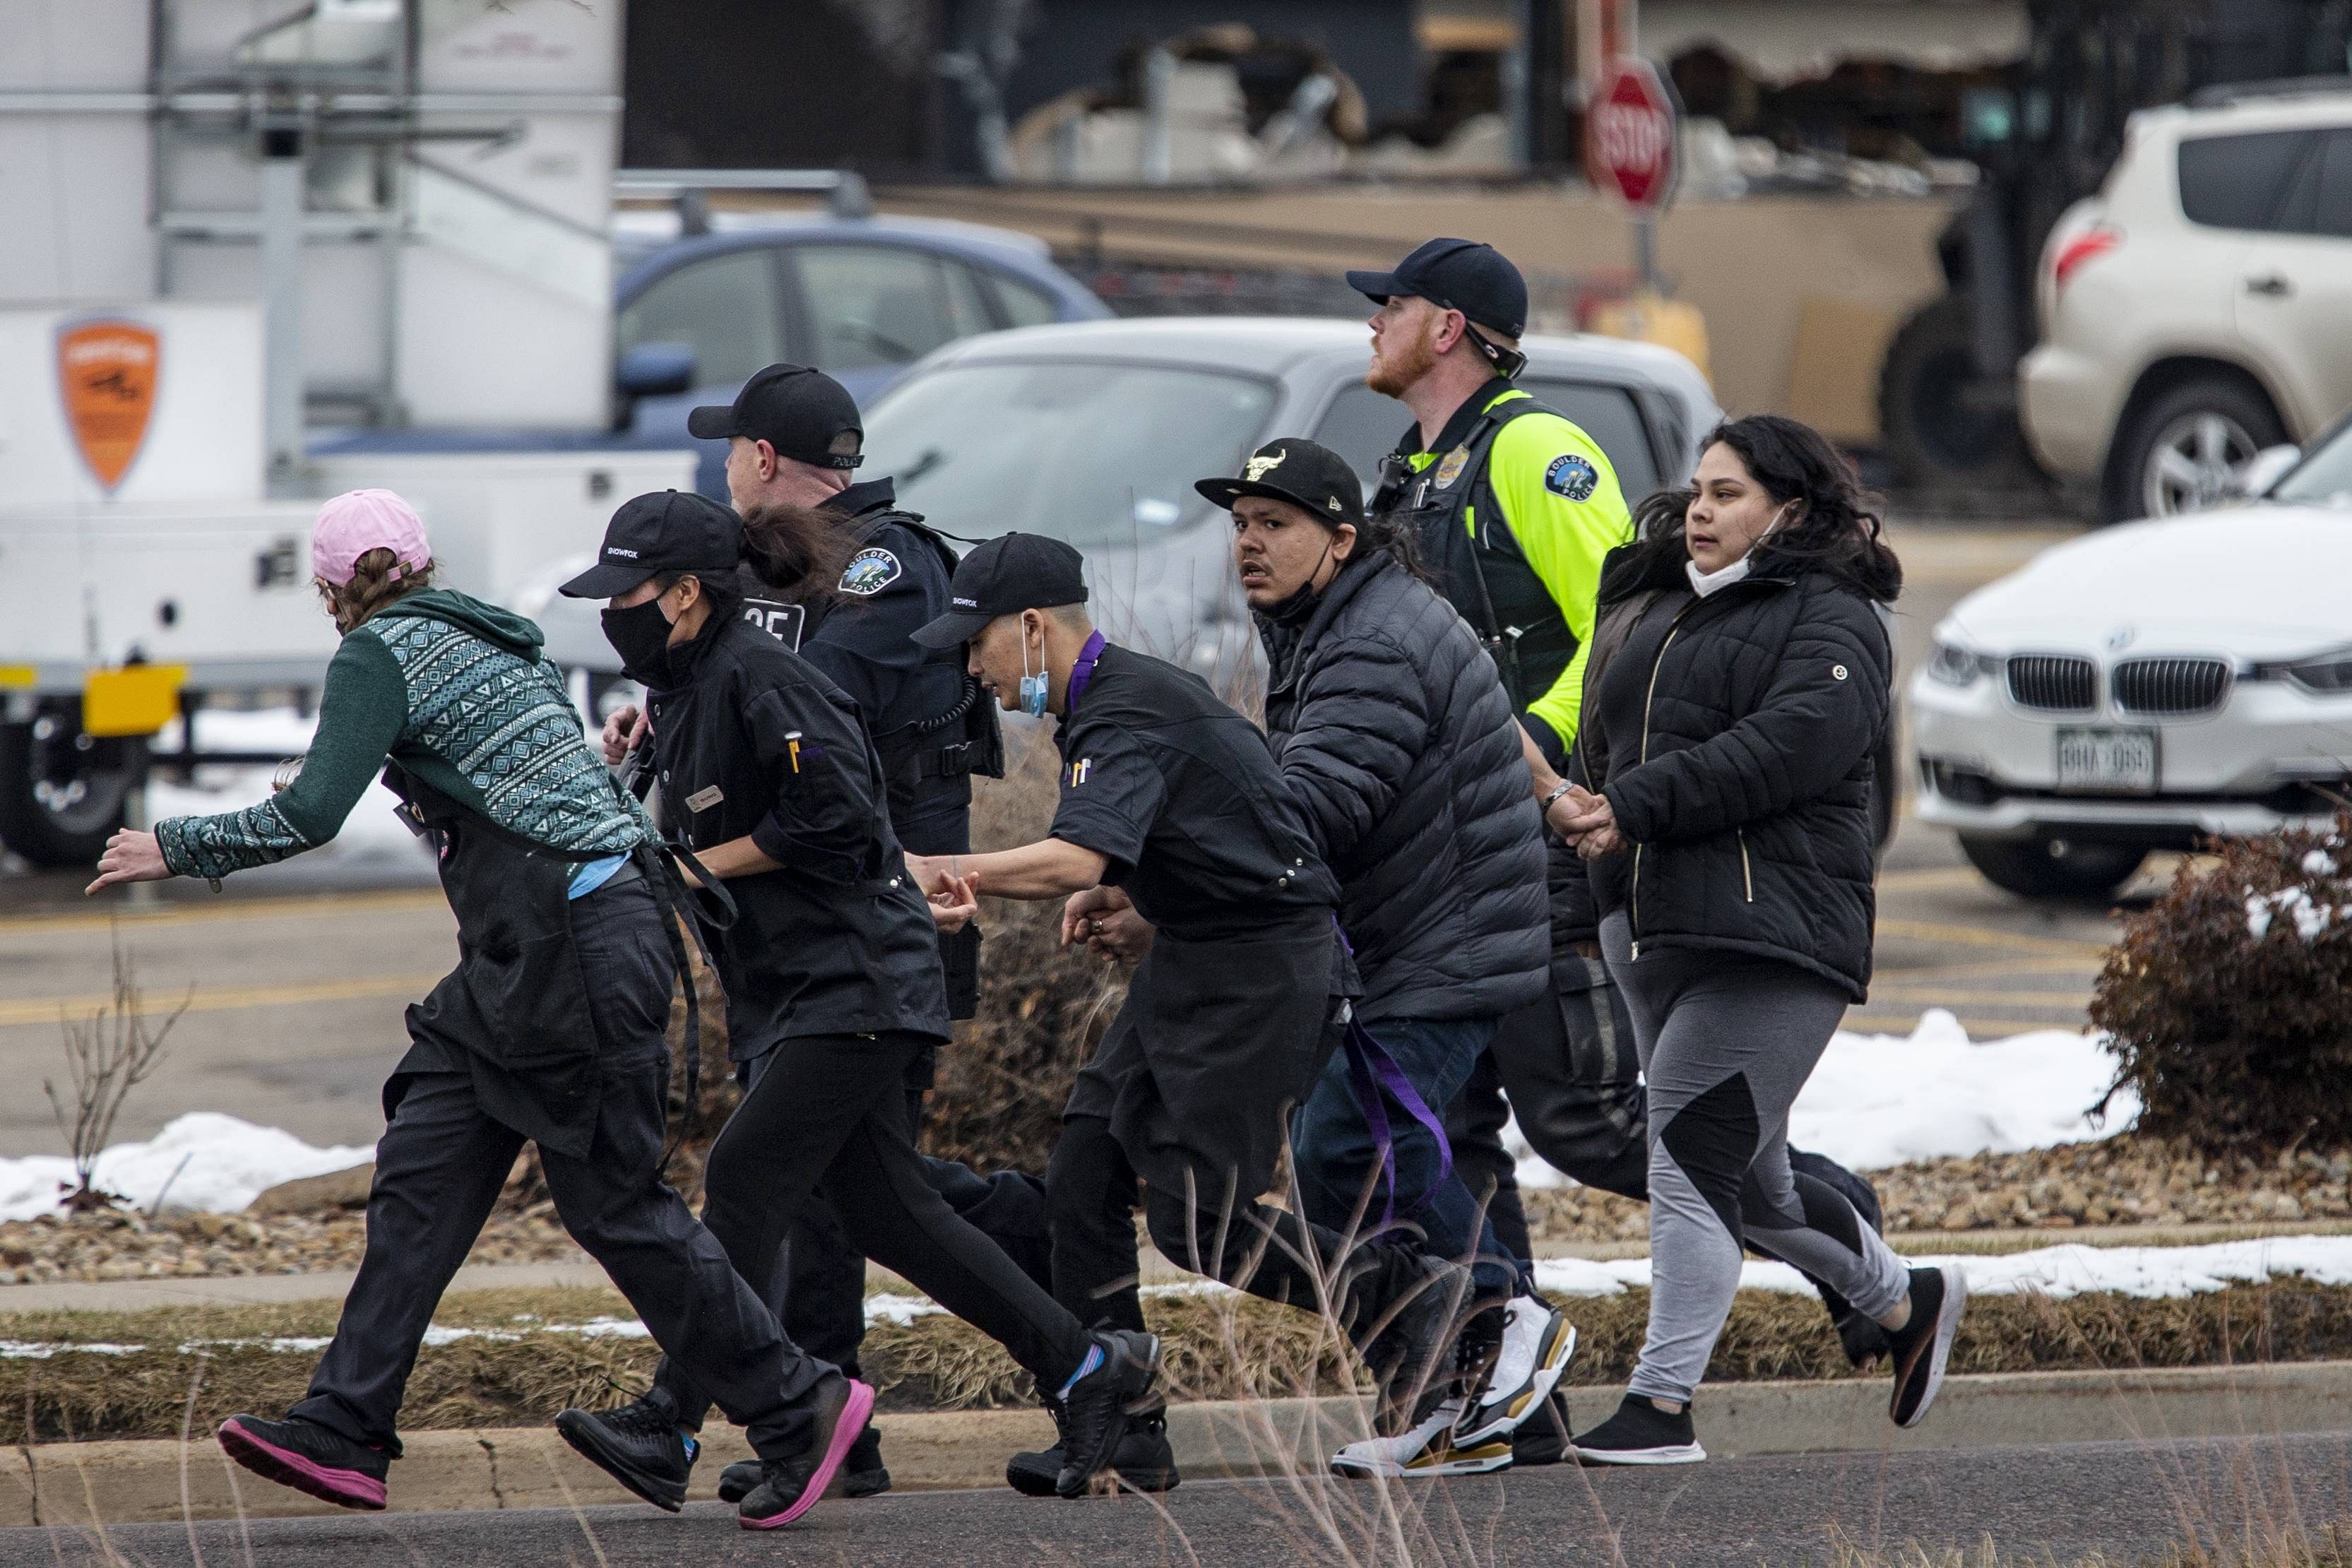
<point x="2330" y="674"/>
<point x="1957" y="666"/>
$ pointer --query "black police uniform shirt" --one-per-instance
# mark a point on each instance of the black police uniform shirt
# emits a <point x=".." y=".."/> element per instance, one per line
<point x="752" y="740"/>
<point x="896" y="581"/>
<point x="1183" y="798"/>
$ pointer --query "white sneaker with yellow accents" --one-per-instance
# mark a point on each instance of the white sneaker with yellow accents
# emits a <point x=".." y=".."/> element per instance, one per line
<point x="1428" y="1449"/>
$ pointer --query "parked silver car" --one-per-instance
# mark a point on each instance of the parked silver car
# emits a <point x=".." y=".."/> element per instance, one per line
<point x="1094" y="433"/>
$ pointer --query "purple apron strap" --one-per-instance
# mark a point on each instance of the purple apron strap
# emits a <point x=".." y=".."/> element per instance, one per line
<point x="1082" y="671"/>
<point x="1371" y="1070"/>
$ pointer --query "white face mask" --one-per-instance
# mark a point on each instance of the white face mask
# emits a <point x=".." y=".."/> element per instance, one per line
<point x="1706" y="582"/>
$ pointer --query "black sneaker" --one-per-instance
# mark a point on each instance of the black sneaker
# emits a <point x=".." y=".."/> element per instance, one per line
<point x="1640" y="1434"/>
<point x="1096" y="1406"/>
<point x="863" y="1474"/>
<point x="308" y="1458"/>
<point x="1923" y="1345"/>
<point x="789" y="1488"/>
<point x="1542" y="1438"/>
<point x="1143" y="1461"/>
<point x="1409" y="1349"/>
<point x="640" y="1445"/>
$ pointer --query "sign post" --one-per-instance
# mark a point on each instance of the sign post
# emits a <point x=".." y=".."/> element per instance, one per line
<point x="1630" y="147"/>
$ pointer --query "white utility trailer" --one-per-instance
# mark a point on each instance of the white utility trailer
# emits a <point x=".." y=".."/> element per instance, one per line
<point x="377" y="226"/>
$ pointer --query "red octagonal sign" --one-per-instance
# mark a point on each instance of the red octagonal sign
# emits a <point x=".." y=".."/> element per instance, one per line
<point x="1628" y="134"/>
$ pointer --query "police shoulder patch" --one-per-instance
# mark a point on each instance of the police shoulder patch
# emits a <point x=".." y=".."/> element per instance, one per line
<point x="869" y="571"/>
<point x="1572" y="477"/>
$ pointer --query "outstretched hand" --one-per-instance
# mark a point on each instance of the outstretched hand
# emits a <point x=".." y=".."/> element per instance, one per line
<point x="130" y="855"/>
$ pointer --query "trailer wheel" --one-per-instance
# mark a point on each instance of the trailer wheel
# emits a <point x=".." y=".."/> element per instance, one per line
<point x="1938" y="427"/>
<point x="62" y="791"/>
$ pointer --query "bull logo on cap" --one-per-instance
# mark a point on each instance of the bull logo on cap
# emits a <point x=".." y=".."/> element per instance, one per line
<point x="1257" y="468"/>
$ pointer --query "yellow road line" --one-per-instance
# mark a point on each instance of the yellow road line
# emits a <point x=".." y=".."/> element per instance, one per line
<point x="1940" y="996"/>
<point x="160" y="1002"/>
<point x="1980" y="936"/>
<point x="1921" y="974"/>
<point x="1932" y="876"/>
<point x="205" y="913"/>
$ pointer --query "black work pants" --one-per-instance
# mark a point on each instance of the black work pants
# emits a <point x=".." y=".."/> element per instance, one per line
<point x="442" y="1161"/>
<point x="830" y="1113"/>
<point x="1091" y="1191"/>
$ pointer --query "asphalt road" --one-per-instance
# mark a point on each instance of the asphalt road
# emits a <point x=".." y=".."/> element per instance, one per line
<point x="295" y="976"/>
<point x="2129" y="1500"/>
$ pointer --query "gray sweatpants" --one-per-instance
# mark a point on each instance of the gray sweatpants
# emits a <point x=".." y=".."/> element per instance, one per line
<point x="1726" y="1042"/>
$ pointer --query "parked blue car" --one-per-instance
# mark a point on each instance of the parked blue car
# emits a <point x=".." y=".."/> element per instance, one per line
<point x="861" y="297"/>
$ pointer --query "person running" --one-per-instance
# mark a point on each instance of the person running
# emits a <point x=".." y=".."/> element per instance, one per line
<point x="1172" y="804"/>
<point x="1722" y="809"/>
<point x="834" y="988"/>
<point x="550" y="1030"/>
<point x="1397" y="742"/>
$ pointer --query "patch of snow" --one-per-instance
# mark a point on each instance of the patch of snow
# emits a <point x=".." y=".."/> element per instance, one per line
<point x="899" y="1310"/>
<point x="2311" y="918"/>
<point x="2316" y="863"/>
<point x="1877" y="1101"/>
<point x="203" y="1160"/>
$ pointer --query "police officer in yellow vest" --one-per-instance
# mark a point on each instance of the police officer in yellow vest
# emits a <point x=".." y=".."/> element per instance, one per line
<point x="1515" y="505"/>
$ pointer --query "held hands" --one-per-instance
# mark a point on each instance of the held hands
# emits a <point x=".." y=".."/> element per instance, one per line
<point x="130" y="857"/>
<point x="1587" y="823"/>
<point x="1104" y="920"/>
<point x="623" y="732"/>
<point x="954" y="904"/>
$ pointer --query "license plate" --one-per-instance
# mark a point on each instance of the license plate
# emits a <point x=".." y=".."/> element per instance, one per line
<point x="2108" y="760"/>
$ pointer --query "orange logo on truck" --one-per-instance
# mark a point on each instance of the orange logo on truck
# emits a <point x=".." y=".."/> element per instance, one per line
<point x="106" y="371"/>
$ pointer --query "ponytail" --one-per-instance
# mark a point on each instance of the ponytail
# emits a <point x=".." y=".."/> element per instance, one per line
<point x="800" y="551"/>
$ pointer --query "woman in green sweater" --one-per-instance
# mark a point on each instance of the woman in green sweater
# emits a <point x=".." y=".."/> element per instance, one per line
<point x="551" y="1028"/>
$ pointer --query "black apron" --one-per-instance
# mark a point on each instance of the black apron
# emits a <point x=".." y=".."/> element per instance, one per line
<point x="514" y="1013"/>
<point x="1216" y="1042"/>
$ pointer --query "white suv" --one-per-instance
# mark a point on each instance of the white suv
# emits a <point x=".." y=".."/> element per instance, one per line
<point x="2199" y="308"/>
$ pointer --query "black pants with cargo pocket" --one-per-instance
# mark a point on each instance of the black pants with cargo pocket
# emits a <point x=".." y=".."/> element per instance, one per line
<point x="442" y="1162"/>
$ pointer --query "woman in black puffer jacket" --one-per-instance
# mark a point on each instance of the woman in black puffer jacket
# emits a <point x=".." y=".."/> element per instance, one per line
<point x="1737" y="686"/>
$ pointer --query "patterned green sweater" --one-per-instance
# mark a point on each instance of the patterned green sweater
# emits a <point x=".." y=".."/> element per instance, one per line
<point x="456" y="692"/>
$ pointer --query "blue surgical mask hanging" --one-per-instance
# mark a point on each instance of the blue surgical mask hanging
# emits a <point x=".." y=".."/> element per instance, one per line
<point x="1033" y="687"/>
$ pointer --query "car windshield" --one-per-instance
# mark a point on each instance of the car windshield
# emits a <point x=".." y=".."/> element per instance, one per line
<point x="2324" y="476"/>
<point x="1086" y="452"/>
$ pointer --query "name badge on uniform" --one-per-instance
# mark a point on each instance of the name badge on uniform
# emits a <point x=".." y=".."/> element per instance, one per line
<point x="704" y="799"/>
<point x="1451" y="468"/>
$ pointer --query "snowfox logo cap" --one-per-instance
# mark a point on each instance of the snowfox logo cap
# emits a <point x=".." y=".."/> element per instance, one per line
<point x="359" y="521"/>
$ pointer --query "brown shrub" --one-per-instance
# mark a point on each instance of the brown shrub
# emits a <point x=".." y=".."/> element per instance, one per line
<point x="2228" y="1000"/>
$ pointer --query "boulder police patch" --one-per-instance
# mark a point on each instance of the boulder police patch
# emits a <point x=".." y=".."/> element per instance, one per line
<point x="1572" y="477"/>
<point x="1450" y="470"/>
<point x="869" y="571"/>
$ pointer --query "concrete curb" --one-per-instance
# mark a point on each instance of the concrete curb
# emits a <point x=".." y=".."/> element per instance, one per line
<point x="76" y="1484"/>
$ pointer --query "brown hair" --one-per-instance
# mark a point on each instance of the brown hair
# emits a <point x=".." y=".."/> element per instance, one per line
<point x="376" y="582"/>
<point x="801" y="552"/>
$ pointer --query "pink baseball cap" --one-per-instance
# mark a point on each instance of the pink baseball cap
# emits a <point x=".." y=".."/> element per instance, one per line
<point x="359" y="521"/>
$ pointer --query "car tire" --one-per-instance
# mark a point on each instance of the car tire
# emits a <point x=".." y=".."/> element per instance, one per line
<point x="1934" y="432"/>
<point x="2052" y="869"/>
<point x="1885" y="790"/>
<point x="2219" y="415"/>
<point x="43" y="758"/>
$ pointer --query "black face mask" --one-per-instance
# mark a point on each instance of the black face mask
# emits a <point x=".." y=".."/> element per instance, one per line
<point x="640" y="635"/>
<point x="1299" y="603"/>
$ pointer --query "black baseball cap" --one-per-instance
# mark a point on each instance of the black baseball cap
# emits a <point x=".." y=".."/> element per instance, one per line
<point x="1299" y="472"/>
<point x="665" y="530"/>
<point x="802" y="413"/>
<point x="1460" y="275"/>
<point x="1004" y="576"/>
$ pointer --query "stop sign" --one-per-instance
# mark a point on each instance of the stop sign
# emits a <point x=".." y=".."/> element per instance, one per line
<point x="1628" y="134"/>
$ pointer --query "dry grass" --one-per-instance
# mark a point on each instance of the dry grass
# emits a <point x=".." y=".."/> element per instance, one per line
<point x="1219" y="1346"/>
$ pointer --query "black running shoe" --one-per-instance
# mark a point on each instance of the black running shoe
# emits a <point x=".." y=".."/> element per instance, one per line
<point x="1410" y="1349"/>
<point x="1542" y="1438"/>
<point x="1143" y="1461"/>
<point x="1640" y="1434"/>
<point x="1924" y="1345"/>
<point x="863" y="1474"/>
<point x="640" y="1445"/>
<point x="1097" y="1405"/>
<point x="789" y="1488"/>
<point x="308" y="1458"/>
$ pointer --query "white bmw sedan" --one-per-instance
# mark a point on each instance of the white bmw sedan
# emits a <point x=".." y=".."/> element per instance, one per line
<point x="2148" y="687"/>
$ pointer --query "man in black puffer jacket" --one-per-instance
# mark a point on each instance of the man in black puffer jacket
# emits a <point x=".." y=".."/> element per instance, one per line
<point x="1399" y="745"/>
